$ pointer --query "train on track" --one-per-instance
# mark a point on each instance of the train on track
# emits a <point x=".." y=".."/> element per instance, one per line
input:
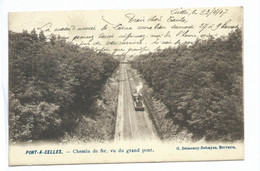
<point x="138" y="102"/>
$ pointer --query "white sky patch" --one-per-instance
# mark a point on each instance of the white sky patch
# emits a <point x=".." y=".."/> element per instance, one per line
<point x="131" y="32"/>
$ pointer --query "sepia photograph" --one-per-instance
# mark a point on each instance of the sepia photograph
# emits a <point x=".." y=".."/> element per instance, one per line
<point x="117" y="86"/>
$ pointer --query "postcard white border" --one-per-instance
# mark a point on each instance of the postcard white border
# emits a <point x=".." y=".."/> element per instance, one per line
<point x="251" y="79"/>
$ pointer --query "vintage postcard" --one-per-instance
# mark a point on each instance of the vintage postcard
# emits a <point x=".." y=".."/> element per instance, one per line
<point x="112" y="86"/>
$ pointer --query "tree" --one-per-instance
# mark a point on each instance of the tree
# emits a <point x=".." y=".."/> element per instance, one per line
<point x="51" y="83"/>
<point x="201" y="85"/>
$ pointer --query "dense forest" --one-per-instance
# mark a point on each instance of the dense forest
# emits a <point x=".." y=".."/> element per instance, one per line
<point x="52" y="85"/>
<point x="57" y="88"/>
<point x="201" y="86"/>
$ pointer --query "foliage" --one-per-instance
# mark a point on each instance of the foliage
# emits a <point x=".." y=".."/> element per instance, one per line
<point x="51" y="82"/>
<point x="101" y="127"/>
<point x="201" y="85"/>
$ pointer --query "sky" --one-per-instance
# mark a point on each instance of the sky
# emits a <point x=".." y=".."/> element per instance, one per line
<point x="131" y="32"/>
